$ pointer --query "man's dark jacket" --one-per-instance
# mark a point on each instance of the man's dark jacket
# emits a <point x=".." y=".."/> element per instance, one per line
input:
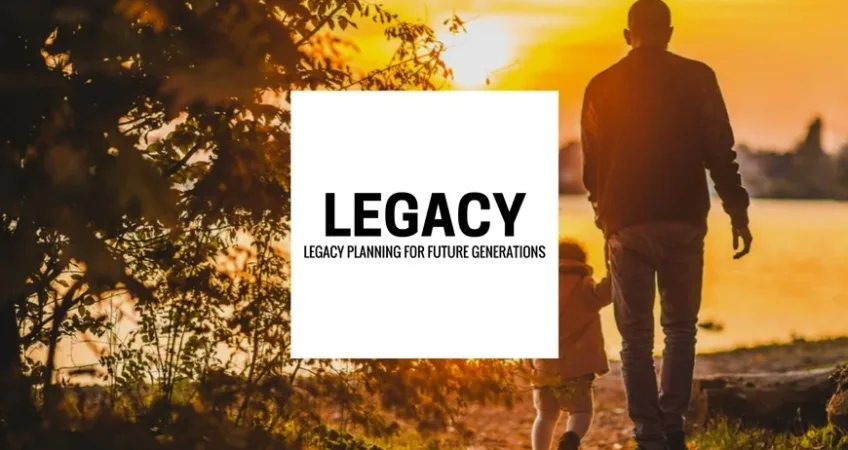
<point x="652" y="123"/>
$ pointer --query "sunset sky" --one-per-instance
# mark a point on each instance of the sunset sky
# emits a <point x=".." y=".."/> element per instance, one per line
<point x="780" y="62"/>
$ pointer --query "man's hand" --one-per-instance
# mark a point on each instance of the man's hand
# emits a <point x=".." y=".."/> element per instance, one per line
<point x="744" y="234"/>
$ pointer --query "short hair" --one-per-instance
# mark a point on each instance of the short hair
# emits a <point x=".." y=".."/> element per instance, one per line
<point x="647" y="16"/>
<point x="573" y="250"/>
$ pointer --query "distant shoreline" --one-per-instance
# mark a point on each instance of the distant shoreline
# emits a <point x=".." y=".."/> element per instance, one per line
<point x="754" y="198"/>
<point x="797" y="354"/>
<point x="777" y="345"/>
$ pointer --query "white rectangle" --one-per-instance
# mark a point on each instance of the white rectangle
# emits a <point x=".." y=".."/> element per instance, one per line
<point x="424" y="143"/>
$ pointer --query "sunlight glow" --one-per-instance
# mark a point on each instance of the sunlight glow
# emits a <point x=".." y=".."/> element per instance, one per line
<point x="477" y="54"/>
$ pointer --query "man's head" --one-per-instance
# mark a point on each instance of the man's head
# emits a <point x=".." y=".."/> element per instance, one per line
<point x="648" y="24"/>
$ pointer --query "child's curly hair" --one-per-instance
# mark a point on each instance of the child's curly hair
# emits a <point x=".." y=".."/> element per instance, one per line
<point x="573" y="250"/>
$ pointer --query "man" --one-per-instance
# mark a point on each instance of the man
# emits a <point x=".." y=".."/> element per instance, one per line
<point x="653" y="124"/>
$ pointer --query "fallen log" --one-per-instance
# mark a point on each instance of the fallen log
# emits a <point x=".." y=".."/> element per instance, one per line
<point x="837" y="408"/>
<point x="788" y="401"/>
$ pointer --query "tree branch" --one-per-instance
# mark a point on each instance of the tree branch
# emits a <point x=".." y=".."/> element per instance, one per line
<point x="182" y="162"/>
<point x="68" y="300"/>
<point x="320" y="25"/>
<point x="380" y="72"/>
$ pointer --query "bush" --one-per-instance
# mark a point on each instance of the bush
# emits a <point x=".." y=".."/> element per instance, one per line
<point x="727" y="435"/>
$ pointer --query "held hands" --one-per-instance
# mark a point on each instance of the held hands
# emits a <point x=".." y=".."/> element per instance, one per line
<point x="603" y="292"/>
<point x="743" y="233"/>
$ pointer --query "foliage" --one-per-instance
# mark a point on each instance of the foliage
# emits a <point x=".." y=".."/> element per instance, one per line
<point x="144" y="164"/>
<point x="805" y="171"/>
<point x="726" y="435"/>
<point x="840" y="378"/>
<point x="837" y="406"/>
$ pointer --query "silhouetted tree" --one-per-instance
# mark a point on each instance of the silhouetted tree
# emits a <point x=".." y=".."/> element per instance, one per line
<point x="842" y="170"/>
<point x="813" y="174"/>
<point x="805" y="172"/>
<point x="142" y="141"/>
<point x="812" y="144"/>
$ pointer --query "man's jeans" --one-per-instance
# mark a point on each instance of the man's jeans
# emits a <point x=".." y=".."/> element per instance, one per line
<point x="673" y="253"/>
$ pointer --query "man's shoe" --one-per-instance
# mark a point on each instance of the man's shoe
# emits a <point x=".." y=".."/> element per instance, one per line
<point x="676" y="440"/>
<point x="569" y="441"/>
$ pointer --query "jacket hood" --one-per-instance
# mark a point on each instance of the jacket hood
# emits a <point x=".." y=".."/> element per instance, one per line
<point x="574" y="267"/>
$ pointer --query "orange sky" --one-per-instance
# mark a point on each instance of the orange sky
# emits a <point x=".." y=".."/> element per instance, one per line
<point x="779" y="62"/>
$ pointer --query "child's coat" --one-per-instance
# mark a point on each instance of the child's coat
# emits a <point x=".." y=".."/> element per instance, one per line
<point x="581" y="341"/>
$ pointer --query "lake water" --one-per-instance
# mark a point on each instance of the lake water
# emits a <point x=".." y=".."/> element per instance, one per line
<point x="793" y="284"/>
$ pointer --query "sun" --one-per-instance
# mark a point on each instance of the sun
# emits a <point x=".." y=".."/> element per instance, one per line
<point x="476" y="54"/>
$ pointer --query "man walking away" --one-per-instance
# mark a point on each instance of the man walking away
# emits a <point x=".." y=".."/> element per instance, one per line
<point x="652" y="123"/>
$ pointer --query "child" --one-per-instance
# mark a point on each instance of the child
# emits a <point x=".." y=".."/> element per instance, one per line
<point x="565" y="384"/>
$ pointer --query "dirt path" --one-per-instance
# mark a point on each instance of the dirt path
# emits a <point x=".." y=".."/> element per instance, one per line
<point x="510" y="429"/>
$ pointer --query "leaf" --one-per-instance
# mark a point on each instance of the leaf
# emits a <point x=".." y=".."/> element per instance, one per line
<point x="139" y="184"/>
<point x="343" y="22"/>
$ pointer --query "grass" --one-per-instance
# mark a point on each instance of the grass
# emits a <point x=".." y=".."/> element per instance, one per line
<point x="727" y="435"/>
<point x="719" y="435"/>
<point x="410" y="440"/>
